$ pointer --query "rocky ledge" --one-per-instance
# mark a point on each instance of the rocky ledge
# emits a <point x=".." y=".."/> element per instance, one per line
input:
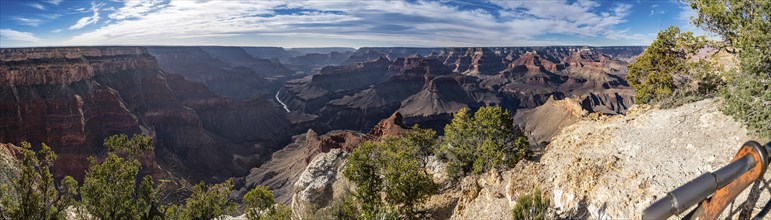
<point x="34" y="66"/>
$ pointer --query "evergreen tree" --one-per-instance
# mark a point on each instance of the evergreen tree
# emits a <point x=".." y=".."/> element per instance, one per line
<point x="652" y="75"/>
<point x="260" y="205"/>
<point x="109" y="188"/>
<point x="745" y="28"/>
<point x="362" y="169"/>
<point x="206" y="202"/>
<point x="480" y="143"/>
<point x="395" y="168"/>
<point x="33" y="194"/>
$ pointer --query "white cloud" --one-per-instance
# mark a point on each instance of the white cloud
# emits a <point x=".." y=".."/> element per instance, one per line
<point x="136" y="9"/>
<point x="13" y="35"/>
<point x="37" y="5"/>
<point x="625" y="34"/>
<point x="396" y="22"/>
<point x="85" y="21"/>
<point x="32" y="22"/>
<point x="55" y="2"/>
<point x="56" y="30"/>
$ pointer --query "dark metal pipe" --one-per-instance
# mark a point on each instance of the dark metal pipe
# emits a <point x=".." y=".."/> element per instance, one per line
<point x="763" y="212"/>
<point x="697" y="189"/>
<point x="730" y="172"/>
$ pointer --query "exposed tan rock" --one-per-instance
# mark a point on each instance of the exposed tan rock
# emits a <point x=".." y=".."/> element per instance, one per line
<point x="8" y="163"/>
<point x="313" y="189"/>
<point x="615" y="167"/>
<point x="544" y="122"/>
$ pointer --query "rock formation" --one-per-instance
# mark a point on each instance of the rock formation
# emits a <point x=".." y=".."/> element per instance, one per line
<point x="72" y="98"/>
<point x="546" y="121"/>
<point x="225" y="77"/>
<point x="603" y="167"/>
<point x="614" y="167"/>
<point x="286" y="165"/>
<point x="427" y="85"/>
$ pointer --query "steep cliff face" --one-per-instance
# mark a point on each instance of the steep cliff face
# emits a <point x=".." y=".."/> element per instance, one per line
<point x="236" y="56"/>
<point x="82" y="95"/>
<point x="312" y="63"/>
<point x="228" y="71"/>
<point x="68" y="103"/>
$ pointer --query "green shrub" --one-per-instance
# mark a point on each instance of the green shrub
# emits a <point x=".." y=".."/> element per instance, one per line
<point x="206" y="202"/>
<point x="745" y="29"/>
<point x="259" y="204"/>
<point x="531" y="207"/>
<point x="480" y="143"/>
<point x="109" y="188"/>
<point x="665" y="67"/>
<point x="32" y="194"/>
<point x="342" y="207"/>
<point x="393" y="168"/>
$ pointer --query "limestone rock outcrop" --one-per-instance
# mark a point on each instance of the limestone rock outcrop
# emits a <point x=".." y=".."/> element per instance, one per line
<point x="546" y="121"/>
<point x="314" y="188"/>
<point x="614" y="167"/>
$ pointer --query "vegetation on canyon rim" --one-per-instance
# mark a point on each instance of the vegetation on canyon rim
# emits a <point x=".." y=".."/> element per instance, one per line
<point x="664" y="74"/>
<point x="390" y="175"/>
<point x="396" y="166"/>
<point x="110" y="190"/>
<point x="531" y="206"/>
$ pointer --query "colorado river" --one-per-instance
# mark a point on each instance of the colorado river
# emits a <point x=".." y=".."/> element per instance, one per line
<point x="279" y="101"/>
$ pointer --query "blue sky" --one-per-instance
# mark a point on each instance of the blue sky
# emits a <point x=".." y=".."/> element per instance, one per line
<point x="438" y="23"/>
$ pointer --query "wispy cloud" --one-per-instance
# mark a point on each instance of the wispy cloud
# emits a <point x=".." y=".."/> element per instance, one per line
<point x="423" y="23"/>
<point x="626" y="34"/>
<point x="655" y="10"/>
<point x="37" y="5"/>
<point x="85" y="21"/>
<point x="136" y="9"/>
<point x="54" y="2"/>
<point x="32" y="22"/>
<point x="13" y="35"/>
<point x="53" y="16"/>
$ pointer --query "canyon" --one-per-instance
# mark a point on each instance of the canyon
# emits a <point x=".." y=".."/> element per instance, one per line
<point x="263" y="114"/>
<point x="427" y="85"/>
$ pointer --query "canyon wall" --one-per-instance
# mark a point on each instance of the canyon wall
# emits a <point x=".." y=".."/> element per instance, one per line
<point x="72" y="98"/>
<point x="427" y="85"/>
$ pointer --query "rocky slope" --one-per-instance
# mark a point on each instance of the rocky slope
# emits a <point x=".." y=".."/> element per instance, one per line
<point x="8" y="163"/>
<point x="598" y="167"/>
<point x="615" y="167"/>
<point x="72" y="98"/>
<point x="546" y="121"/>
<point x="287" y="166"/>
